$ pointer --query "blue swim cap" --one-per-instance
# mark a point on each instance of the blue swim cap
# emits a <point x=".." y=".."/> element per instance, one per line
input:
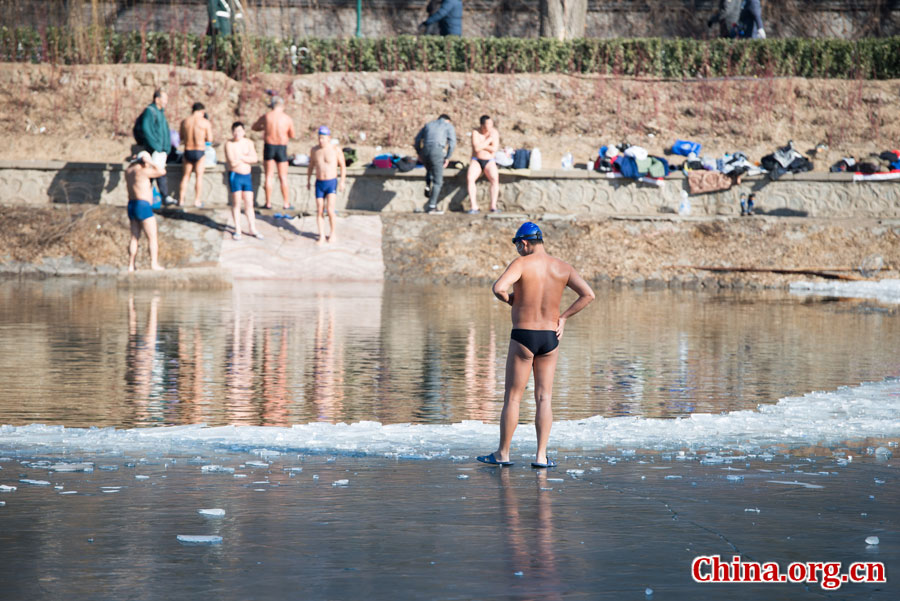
<point x="324" y="131"/>
<point x="528" y="231"/>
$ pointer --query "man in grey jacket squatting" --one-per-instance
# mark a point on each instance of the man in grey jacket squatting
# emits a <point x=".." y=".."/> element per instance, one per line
<point x="430" y="144"/>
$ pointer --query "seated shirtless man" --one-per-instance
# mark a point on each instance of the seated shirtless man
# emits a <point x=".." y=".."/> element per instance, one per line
<point x="326" y="158"/>
<point x="485" y="142"/>
<point x="279" y="129"/>
<point x="538" y="281"/>
<point x="140" y="215"/>
<point x="196" y="131"/>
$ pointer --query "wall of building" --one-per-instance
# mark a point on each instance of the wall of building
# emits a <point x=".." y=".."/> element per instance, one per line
<point x="574" y="192"/>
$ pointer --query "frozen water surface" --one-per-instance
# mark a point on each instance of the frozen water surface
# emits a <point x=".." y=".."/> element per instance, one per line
<point x="304" y="389"/>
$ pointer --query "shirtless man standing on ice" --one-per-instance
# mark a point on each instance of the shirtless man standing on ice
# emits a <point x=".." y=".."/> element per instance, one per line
<point x="325" y="158"/>
<point x="538" y="281"/>
<point x="279" y="128"/>
<point x="196" y="131"/>
<point x="239" y="155"/>
<point x="140" y="215"/>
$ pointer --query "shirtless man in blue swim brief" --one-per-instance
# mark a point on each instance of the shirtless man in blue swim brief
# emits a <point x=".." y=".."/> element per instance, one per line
<point x="326" y="159"/>
<point x="140" y="215"/>
<point x="538" y="281"/>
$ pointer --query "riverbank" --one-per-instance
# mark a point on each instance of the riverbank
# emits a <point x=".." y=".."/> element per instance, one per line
<point x="668" y="250"/>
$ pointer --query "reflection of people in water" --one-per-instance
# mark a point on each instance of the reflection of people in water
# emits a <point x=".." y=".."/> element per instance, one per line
<point x="139" y="361"/>
<point x="191" y="392"/>
<point x="529" y="536"/>
<point x="239" y="374"/>
<point x="481" y="377"/>
<point x="328" y="366"/>
<point x="275" y="411"/>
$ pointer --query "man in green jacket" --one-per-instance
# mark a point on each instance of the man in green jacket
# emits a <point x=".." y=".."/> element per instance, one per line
<point x="155" y="138"/>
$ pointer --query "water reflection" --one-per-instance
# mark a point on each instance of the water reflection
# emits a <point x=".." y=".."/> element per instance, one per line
<point x="89" y="354"/>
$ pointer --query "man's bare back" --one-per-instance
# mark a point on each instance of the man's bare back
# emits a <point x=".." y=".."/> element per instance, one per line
<point x="277" y="125"/>
<point x="538" y="291"/>
<point x="137" y="179"/>
<point x="196" y="131"/>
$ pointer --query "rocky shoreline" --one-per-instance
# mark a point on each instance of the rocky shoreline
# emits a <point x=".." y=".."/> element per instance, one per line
<point x="457" y="249"/>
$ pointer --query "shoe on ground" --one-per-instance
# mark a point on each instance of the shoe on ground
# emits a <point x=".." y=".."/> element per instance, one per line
<point x="472" y="212"/>
<point x="236" y="237"/>
<point x="433" y="211"/>
<point x="169" y="201"/>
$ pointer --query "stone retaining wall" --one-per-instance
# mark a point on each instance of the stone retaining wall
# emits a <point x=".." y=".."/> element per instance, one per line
<point x="573" y="192"/>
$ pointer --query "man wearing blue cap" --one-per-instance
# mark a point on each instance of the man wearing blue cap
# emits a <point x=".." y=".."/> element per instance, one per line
<point x="325" y="158"/>
<point x="538" y="281"/>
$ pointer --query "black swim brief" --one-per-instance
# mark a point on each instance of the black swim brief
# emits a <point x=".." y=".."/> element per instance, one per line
<point x="194" y="156"/>
<point x="275" y="152"/>
<point x="539" y="342"/>
<point x="483" y="162"/>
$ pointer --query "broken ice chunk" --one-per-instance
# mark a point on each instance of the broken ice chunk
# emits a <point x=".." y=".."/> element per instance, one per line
<point x="575" y="473"/>
<point x="734" y="478"/>
<point x="752" y="509"/>
<point x="69" y="492"/>
<point x="673" y="477"/>
<point x="872" y="540"/>
<point x="216" y="469"/>
<point x="199" y="539"/>
<point x="212" y="513"/>
<point x="72" y="467"/>
<point x="141" y="477"/>
<point x="256" y="464"/>
<point x="5" y="488"/>
<point x="462" y="477"/>
<point x="108" y="468"/>
<point x="883" y="453"/>
<point x="34" y="482"/>
<point x="340" y="483"/>
<point x="2" y="503"/>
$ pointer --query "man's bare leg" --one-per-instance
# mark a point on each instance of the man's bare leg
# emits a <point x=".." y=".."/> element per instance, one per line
<point x="236" y="201"/>
<point x="330" y="200"/>
<point x="133" y="243"/>
<point x="198" y="185"/>
<point x="270" y="173"/>
<point x="149" y="226"/>
<point x="493" y="175"/>
<point x="518" y="368"/>
<point x="187" y="168"/>
<point x="544" y="370"/>
<point x="282" y="177"/>
<point x="320" y="219"/>
<point x="251" y="213"/>
<point x="472" y="177"/>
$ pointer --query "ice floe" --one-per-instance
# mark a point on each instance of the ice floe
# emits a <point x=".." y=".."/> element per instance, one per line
<point x="887" y="291"/>
<point x="846" y="414"/>
<point x="199" y="539"/>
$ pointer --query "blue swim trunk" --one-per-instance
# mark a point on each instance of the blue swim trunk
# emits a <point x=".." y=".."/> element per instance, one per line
<point x="139" y="210"/>
<point x="324" y="187"/>
<point x="240" y="182"/>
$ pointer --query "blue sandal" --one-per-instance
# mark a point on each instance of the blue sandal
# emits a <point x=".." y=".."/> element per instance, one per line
<point x="491" y="460"/>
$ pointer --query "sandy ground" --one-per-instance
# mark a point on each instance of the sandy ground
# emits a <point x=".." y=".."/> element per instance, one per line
<point x="86" y="113"/>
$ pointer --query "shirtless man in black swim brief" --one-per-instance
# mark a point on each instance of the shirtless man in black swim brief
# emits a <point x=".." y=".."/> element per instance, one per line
<point x="538" y="281"/>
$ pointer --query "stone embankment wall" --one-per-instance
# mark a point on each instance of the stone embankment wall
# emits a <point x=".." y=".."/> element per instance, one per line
<point x="571" y="192"/>
<point x="481" y="18"/>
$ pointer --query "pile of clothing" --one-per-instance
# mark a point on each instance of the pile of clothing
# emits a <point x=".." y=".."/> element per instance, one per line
<point x="886" y="162"/>
<point x="785" y="160"/>
<point x="633" y="162"/>
<point x="715" y="175"/>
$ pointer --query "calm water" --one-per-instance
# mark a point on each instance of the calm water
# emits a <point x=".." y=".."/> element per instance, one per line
<point x="89" y="354"/>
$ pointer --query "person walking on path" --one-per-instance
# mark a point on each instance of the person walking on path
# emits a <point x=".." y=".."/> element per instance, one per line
<point x="485" y="142"/>
<point x="448" y="18"/>
<point x="430" y="144"/>
<point x="140" y="214"/>
<point x="279" y="129"/>
<point x="153" y="136"/>
<point x="538" y="281"/>
<point x="240" y="154"/>
<point x="325" y="158"/>
<point x="196" y="131"/>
